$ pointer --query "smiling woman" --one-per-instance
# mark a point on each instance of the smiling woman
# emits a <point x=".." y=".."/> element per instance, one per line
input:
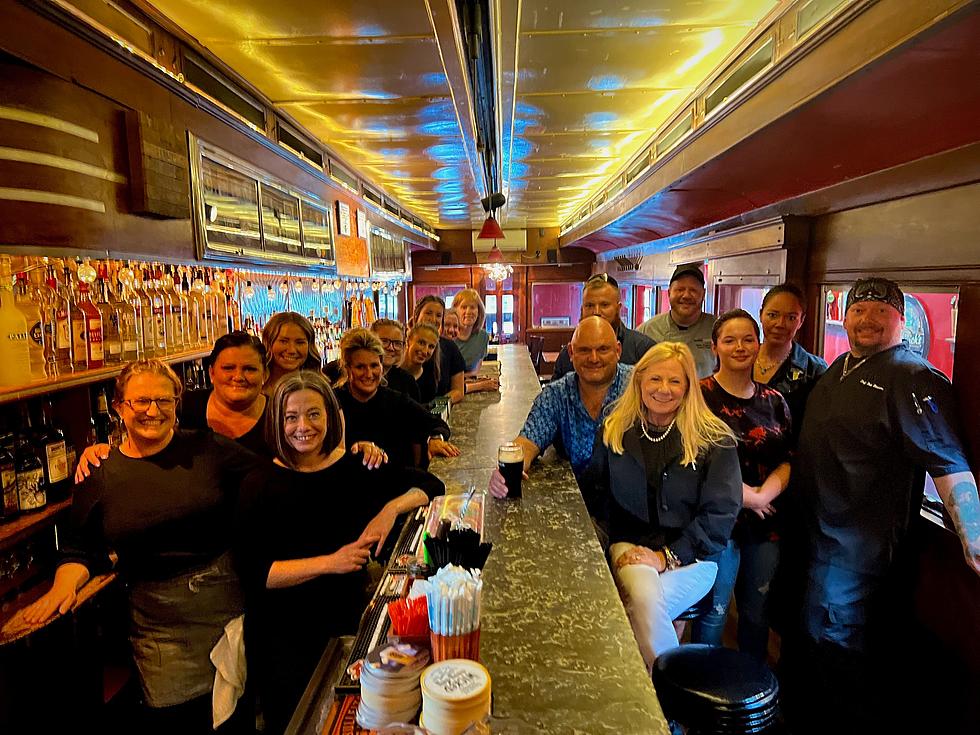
<point x="289" y="340"/>
<point x="306" y="528"/>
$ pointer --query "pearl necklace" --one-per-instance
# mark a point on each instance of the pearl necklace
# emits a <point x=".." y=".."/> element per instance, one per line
<point x="656" y="439"/>
<point x="848" y="368"/>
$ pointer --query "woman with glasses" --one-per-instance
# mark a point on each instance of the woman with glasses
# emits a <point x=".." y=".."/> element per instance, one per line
<point x="160" y="505"/>
<point x="405" y="430"/>
<point x="392" y="336"/>
<point x="305" y="530"/>
<point x="666" y="485"/>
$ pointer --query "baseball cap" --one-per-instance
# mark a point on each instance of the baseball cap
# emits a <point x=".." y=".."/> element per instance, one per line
<point x="688" y="270"/>
<point x="877" y="289"/>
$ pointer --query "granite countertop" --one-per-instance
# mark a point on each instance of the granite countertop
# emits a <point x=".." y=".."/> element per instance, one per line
<point x="555" y="636"/>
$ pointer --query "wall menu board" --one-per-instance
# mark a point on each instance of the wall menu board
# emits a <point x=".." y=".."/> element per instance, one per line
<point x="244" y="213"/>
<point x="387" y="254"/>
<point x="362" y="224"/>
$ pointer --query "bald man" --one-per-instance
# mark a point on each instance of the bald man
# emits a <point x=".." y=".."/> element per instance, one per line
<point x="570" y="409"/>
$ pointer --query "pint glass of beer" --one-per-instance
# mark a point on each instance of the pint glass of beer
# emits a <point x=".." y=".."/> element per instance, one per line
<point x="510" y="462"/>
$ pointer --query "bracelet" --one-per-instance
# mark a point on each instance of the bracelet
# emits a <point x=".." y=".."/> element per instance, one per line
<point x="672" y="561"/>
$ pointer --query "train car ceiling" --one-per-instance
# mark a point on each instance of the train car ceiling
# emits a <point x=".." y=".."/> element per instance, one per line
<point x="581" y="86"/>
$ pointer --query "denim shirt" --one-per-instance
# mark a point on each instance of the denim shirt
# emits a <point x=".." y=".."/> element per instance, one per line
<point x="795" y="379"/>
<point x="558" y="413"/>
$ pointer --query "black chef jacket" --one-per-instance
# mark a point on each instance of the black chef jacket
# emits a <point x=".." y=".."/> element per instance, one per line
<point x="867" y="442"/>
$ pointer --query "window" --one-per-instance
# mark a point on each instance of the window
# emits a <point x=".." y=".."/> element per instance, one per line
<point x="626" y="304"/>
<point x="555" y="304"/>
<point x="446" y="293"/>
<point x="662" y="300"/>
<point x="644" y="298"/>
<point x="930" y="325"/>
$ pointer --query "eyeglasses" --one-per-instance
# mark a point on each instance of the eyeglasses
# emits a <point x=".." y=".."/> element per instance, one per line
<point x="385" y="342"/>
<point x="603" y="278"/>
<point x="142" y="405"/>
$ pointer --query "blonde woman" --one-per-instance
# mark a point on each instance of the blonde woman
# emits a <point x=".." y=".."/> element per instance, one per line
<point x="667" y="484"/>
<point x="471" y="338"/>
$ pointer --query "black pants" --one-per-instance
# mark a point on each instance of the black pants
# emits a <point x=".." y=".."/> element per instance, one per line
<point x="194" y="718"/>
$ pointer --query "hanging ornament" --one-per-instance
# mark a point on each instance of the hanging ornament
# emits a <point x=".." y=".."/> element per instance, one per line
<point x="336" y="284"/>
<point x="315" y="286"/>
<point x="298" y="285"/>
<point x="284" y="288"/>
<point x="249" y="291"/>
<point x="270" y="294"/>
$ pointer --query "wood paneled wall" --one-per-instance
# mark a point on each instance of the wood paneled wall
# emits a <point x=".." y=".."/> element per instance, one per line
<point x="46" y="69"/>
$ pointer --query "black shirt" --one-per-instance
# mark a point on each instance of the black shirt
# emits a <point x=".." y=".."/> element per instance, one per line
<point x="450" y="363"/>
<point x="194" y="415"/>
<point x="163" y="515"/>
<point x="763" y="429"/>
<point x="867" y="441"/>
<point x="392" y="421"/>
<point x="284" y="514"/>
<point x="795" y="378"/>
<point x="400" y="381"/>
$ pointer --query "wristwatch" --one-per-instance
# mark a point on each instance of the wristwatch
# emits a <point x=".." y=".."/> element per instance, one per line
<point x="672" y="561"/>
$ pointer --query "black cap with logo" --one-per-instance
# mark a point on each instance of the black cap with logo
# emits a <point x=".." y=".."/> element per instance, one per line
<point x="877" y="289"/>
<point x="688" y="270"/>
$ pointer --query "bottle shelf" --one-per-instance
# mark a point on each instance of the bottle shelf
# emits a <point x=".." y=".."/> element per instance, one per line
<point x="28" y="523"/>
<point x="85" y="377"/>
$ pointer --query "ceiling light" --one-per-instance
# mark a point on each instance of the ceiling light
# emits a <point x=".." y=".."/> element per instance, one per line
<point x="490" y="230"/>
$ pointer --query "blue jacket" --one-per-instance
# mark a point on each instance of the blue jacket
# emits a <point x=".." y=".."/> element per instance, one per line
<point x="697" y="504"/>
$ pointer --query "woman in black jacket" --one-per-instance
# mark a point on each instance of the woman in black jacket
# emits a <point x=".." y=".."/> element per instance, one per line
<point x="666" y="482"/>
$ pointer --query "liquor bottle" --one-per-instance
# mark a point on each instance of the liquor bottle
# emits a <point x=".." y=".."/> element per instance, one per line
<point x="160" y="308"/>
<point x="35" y="328"/>
<point x="111" y="341"/>
<point x="200" y="307"/>
<point x="143" y="293"/>
<point x="194" y="325"/>
<point x="9" y="506"/>
<point x="50" y="443"/>
<point x="220" y="307"/>
<point x="32" y="490"/>
<point x="106" y="427"/>
<point x="57" y="322"/>
<point x="156" y="272"/>
<point x="90" y="326"/>
<point x="76" y="315"/>
<point x="234" y="308"/>
<point x="15" y="363"/>
<point x="178" y="311"/>
<point x="125" y="303"/>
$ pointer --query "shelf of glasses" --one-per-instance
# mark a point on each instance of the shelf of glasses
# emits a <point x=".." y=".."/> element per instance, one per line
<point x="84" y="377"/>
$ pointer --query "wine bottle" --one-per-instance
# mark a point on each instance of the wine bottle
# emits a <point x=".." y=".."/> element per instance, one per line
<point x="9" y="507"/>
<point x="50" y="446"/>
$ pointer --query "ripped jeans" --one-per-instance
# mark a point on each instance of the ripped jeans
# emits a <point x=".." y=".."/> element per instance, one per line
<point x="747" y="569"/>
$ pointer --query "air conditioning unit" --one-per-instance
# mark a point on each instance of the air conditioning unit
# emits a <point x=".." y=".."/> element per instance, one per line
<point x="514" y="241"/>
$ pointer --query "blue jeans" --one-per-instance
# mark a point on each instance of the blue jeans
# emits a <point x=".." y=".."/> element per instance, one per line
<point x="747" y="570"/>
<point x="708" y="628"/>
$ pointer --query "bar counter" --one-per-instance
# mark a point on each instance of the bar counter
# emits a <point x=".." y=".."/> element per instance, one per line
<point x="555" y="636"/>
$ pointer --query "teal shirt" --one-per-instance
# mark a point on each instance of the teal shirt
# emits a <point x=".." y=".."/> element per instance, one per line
<point x="473" y="349"/>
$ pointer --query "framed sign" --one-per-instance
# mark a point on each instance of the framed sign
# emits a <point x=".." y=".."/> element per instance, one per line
<point x="343" y="218"/>
<point x="362" y="224"/>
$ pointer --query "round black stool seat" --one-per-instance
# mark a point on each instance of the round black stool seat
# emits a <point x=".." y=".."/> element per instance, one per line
<point x="716" y="691"/>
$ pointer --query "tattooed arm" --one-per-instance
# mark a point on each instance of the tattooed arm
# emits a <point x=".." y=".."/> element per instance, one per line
<point x="959" y="494"/>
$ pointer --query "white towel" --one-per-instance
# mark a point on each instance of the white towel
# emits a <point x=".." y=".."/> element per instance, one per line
<point x="228" y="657"/>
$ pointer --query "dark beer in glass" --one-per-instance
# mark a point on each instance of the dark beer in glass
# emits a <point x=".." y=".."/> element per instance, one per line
<point x="510" y="462"/>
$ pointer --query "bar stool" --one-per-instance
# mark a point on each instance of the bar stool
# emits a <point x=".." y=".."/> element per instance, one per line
<point x="716" y="691"/>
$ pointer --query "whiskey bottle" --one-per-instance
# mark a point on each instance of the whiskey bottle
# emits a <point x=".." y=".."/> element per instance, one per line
<point x="9" y="507"/>
<point x="90" y="326"/>
<point x="178" y="311"/>
<point x="160" y="308"/>
<point x="125" y="302"/>
<point x="50" y="445"/>
<point x="35" y="328"/>
<point x="106" y="426"/>
<point x="57" y="322"/>
<point x="200" y="307"/>
<point x="32" y="491"/>
<point x="111" y="341"/>
<point x="141" y="287"/>
<point x="15" y="363"/>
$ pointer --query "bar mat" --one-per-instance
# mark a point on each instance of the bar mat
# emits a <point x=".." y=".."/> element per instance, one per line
<point x="342" y="718"/>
